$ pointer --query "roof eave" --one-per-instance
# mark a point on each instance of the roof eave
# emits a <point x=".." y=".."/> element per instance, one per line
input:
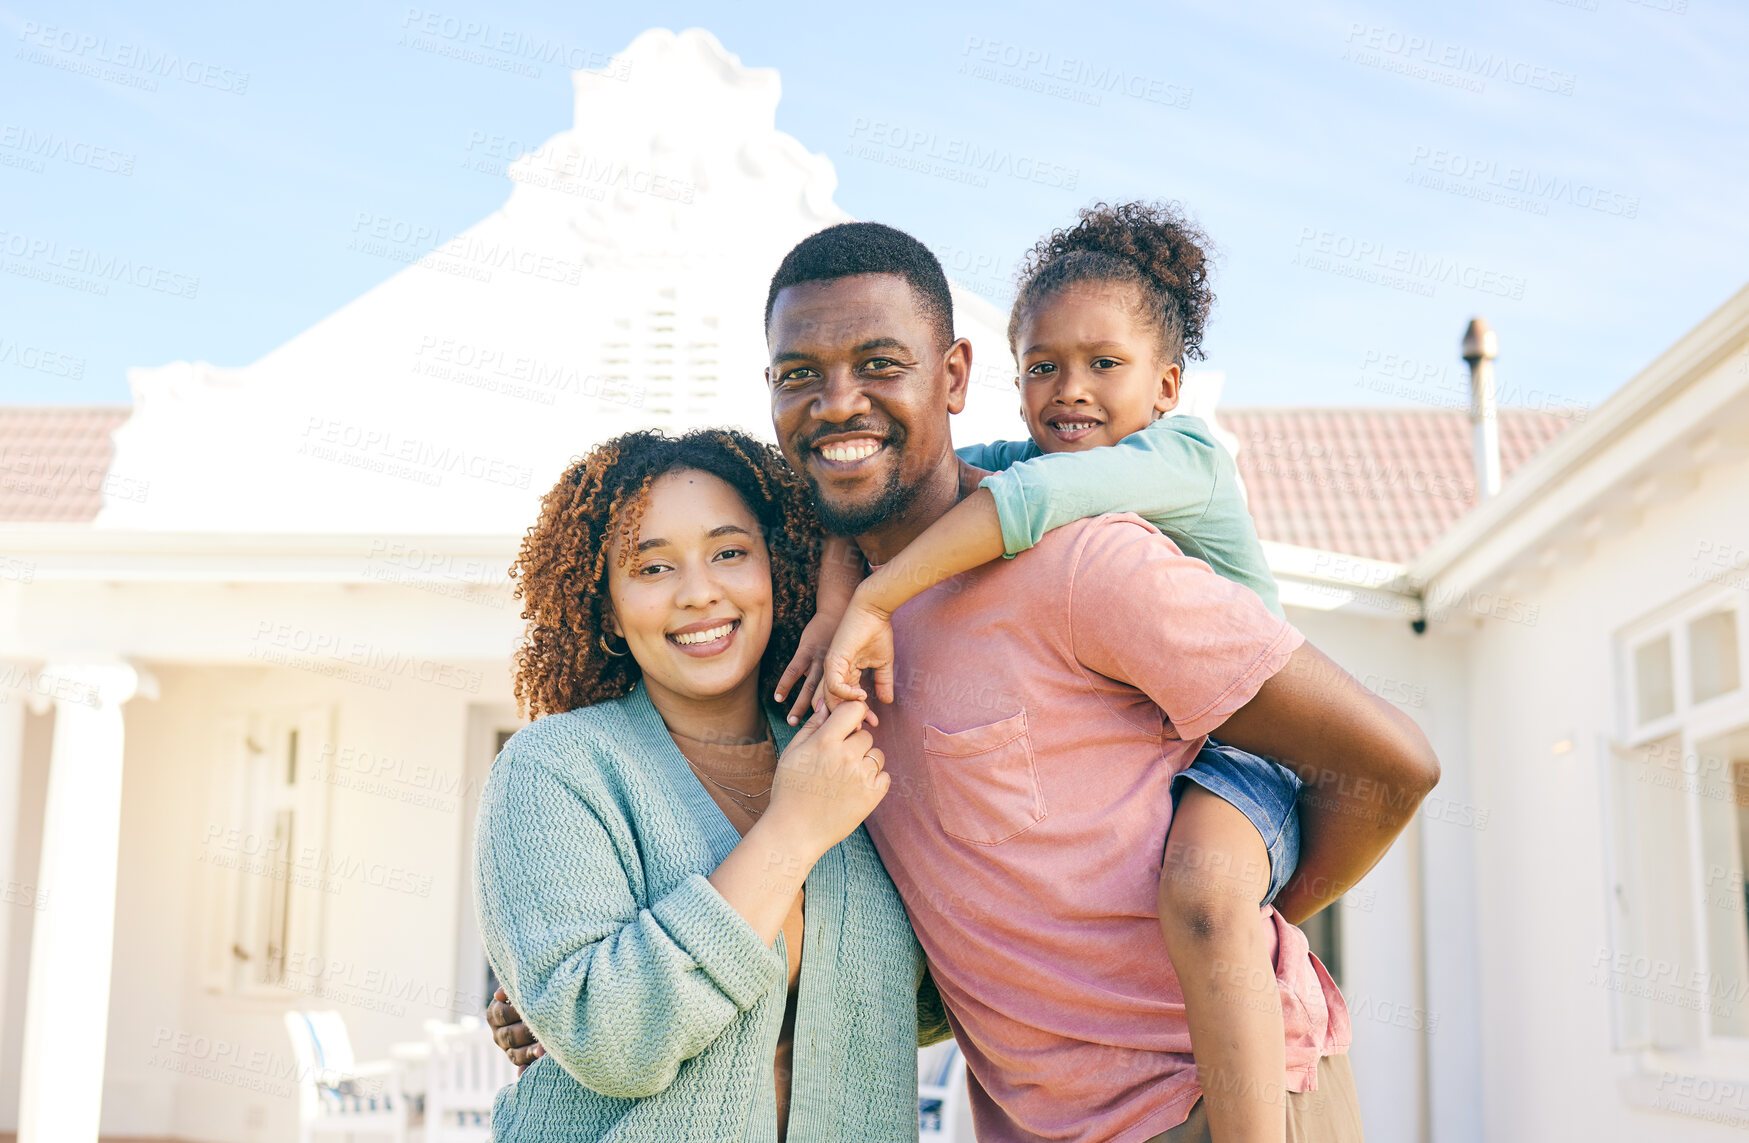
<point x="1678" y="392"/>
<point x="82" y="553"/>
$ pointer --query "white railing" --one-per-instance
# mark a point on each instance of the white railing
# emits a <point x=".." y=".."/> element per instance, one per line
<point x="441" y="1089"/>
<point x="438" y="1090"/>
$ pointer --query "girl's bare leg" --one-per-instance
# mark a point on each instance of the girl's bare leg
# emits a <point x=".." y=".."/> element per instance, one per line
<point x="1212" y="883"/>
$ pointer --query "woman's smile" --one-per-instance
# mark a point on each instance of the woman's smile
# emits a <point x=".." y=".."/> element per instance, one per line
<point x="705" y="638"/>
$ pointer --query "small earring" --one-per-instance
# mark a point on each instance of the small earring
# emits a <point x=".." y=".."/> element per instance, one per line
<point x="602" y="639"/>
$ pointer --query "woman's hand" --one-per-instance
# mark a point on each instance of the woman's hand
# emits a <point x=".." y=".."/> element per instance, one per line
<point x="864" y="641"/>
<point x="827" y="782"/>
<point x="808" y="663"/>
<point x="510" y="1033"/>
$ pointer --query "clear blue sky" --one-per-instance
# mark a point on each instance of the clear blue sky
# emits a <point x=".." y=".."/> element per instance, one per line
<point x="1373" y="174"/>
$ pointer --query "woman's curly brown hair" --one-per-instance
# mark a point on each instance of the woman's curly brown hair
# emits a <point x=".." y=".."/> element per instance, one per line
<point x="1149" y="245"/>
<point x="562" y="570"/>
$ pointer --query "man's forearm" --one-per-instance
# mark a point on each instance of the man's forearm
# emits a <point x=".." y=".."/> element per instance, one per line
<point x="1365" y="764"/>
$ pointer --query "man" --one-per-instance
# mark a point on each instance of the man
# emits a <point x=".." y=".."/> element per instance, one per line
<point x="1044" y="705"/>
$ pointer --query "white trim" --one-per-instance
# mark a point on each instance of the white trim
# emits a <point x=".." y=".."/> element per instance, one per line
<point x="1319" y="580"/>
<point x="79" y="552"/>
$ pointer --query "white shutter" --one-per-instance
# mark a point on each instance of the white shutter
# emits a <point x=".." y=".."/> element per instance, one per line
<point x="273" y="843"/>
<point x="226" y="788"/>
<point x="1652" y="947"/>
<point x="308" y="900"/>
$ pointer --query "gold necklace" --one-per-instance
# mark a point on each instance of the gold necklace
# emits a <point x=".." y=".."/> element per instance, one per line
<point x="721" y="786"/>
<point x="737" y="794"/>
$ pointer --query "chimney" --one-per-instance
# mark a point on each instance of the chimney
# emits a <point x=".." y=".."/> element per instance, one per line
<point x="1479" y="349"/>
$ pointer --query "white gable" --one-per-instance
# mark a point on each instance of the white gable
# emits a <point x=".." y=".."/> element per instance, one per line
<point x="622" y="285"/>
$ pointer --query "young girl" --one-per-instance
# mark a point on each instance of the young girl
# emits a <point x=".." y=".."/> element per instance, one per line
<point x="1106" y="314"/>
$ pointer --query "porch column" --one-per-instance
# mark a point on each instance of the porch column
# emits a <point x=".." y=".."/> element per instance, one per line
<point x="13" y="895"/>
<point x="66" y="1014"/>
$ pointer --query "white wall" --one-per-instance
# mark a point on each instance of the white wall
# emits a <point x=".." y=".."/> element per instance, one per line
<point x="1550" y="1071"/>
<point x="1415" y="1053"/>
<point x="389" y="954"/>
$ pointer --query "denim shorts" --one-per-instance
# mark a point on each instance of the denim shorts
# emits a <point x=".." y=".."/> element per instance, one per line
<point x="1267" y="794"/>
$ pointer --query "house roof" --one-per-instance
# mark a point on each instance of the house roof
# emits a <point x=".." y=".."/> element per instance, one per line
<point x="1378" y="483"/>
<point x="53" y="461"/>
<point x="1383" y="483"/>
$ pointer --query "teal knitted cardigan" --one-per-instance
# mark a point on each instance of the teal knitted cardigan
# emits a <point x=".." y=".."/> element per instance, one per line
<point x="658" y="1005"/>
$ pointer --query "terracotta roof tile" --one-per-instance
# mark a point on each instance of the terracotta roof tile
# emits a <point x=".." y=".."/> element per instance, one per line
<point x="53" y="461"/>
<point x="1380" y="483"/>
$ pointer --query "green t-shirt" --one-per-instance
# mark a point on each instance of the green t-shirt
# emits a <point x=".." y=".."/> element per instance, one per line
<point x="1173" y="474"/>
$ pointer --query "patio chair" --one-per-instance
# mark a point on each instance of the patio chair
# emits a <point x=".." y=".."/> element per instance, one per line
<point x="941" y="1091"/>
<point x="467" y="1070"/>
<point x="338" y="1095"/>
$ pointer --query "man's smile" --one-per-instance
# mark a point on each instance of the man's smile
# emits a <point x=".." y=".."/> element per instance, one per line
<point x="846" y="452"/>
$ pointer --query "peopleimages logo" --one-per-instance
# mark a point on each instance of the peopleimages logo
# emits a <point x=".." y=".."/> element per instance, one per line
<point x="327" y="438"/>
<point x="132" y="65"/>
<point x="1417" y="266"/>
<point x="1067" y="77"/>
<point x="559" y="165"/>
<point x="501" y="48"/>
<point x="1456" y="65"/>
<point x="930" y="152"/>
<point x="35" y="357"/>
<point x="290" y="644"/>
<point x="1533" y="186"/>
<point x="34" y="147"/>
<point x="90" y="271"/>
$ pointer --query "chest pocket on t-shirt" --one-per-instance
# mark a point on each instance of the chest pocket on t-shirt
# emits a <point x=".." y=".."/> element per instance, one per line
<point x="983" y="781"/>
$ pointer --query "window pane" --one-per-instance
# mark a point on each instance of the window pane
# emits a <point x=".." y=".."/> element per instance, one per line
<point x="1722" y="781"/>
<point x="1323" y="931"/>
<point x="1657" y="899"/>
<point x="1652" y="680"/>
<point x="1712" y="654"/>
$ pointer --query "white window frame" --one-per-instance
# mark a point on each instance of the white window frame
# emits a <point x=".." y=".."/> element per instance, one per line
<point x="1690" y="723"/>
<point x="1729" y="706"/>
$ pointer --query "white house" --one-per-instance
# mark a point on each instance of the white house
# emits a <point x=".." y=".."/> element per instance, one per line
<point x="255" y="632"/>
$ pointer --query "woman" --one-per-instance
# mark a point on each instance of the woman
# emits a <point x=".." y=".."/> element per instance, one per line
<point x="672" y="884"/>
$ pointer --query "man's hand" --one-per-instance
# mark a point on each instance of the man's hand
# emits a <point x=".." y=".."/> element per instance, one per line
<point x="511" y="1034"/>
<point x="808" y="665"/>
<point x="864" y="641"/>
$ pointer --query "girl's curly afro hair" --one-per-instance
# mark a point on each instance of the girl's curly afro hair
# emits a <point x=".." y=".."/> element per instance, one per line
<point x="1152" y="246"/>
<point x="561" y="572"/>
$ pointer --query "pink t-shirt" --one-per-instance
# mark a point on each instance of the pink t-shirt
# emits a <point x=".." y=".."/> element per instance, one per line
<point x="1043" y="705"/>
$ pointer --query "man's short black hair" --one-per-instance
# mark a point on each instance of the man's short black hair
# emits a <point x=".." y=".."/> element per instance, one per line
<point x="869" y="248"/>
